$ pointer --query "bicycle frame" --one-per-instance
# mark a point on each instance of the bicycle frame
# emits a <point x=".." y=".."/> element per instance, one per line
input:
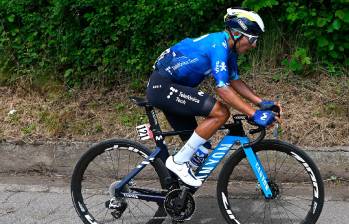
<point x="222" y="149"/>
<point x="236" y="135"/>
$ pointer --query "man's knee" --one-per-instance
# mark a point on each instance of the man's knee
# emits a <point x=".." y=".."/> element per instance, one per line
<point x="220" y="111"/>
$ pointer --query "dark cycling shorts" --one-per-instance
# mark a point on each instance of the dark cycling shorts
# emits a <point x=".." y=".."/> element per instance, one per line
<point x="179" y="103"/>
<point x="169" y="96"/>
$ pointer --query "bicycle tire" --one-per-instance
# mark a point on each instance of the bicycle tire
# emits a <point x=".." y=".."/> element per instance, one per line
<point x="86" y="171"/>
<point x="240" y="199"/>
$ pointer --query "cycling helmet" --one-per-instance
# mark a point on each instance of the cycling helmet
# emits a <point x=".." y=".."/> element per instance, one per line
<point x="243" y="21"/>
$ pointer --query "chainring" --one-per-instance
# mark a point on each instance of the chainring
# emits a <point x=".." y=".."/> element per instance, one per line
<point x="171" y="208"/>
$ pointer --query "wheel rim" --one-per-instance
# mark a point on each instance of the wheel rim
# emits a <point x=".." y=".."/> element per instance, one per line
<point x="111" y="165"/>
<point x="294" y="201"/>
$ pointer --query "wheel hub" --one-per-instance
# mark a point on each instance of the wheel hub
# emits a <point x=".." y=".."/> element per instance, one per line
<point x="274" y="188"/>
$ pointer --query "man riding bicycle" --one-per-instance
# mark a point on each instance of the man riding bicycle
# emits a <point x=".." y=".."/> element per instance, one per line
<point x="185" y="65"/>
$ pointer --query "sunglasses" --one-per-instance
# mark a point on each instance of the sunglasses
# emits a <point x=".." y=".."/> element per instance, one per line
<point x="251" y="39"/>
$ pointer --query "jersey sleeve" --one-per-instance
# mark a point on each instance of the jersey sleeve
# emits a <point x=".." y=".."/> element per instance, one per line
<point x="219" y="63"/>
<point x="233" y="67"/>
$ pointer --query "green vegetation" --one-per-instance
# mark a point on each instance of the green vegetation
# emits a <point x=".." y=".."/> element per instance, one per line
<point x="14" y="118"/>
<point x="120" y="107"/>
<point x="50" y="121"/>
<point x="132" y="119"/>
<point x="28" y="129"/>
<point x="112" y="42"/>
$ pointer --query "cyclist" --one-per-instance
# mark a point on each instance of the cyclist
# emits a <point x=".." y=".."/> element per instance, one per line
<point x="182" y="67"/>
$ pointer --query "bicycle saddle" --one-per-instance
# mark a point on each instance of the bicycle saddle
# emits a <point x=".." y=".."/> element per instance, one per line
<point x="142" y="102"/>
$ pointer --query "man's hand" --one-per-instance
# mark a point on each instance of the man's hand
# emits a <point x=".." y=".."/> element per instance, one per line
<point x="270" y="105"/>
<point x="263" y="117"/>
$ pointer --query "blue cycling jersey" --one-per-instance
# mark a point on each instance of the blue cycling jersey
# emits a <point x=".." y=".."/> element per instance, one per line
<point x="191" y="60"/>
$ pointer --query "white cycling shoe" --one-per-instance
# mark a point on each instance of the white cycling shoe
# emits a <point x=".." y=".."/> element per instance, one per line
<point x="184" y="172"/>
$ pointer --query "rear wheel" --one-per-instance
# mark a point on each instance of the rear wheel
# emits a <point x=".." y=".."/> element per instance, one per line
<point x="296" y="183"/>
<point x="104" y="165"/>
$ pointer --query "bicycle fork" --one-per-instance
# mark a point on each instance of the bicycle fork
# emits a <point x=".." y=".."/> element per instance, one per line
<point x="257" y="168"/>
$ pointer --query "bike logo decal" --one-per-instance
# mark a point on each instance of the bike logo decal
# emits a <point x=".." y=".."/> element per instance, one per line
<point x="154" y="117"/>
<point x="310" y="172"/>
<point x="129" y="195"/>
<point x="262" y="177"/>
<point x="227" y="208"/>
<point x="212" y="161"/>
<point x="158" y="138"/>
<point x="86" y="214"/>
<point x="314" y="207"/>
<point x="90" y="219"/>
<point x="144" y="163"/>
<point x="81" y="207"/>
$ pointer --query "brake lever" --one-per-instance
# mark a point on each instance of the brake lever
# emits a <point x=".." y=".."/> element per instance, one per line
<point x="254" y="131"/>
<point x="277" y="126"/>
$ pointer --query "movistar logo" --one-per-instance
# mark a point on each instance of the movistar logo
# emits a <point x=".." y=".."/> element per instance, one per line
<point x="264" y="117"/>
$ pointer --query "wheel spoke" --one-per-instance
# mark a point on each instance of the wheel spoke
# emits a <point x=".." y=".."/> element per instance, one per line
<point x="290" y="183"/>
<point x="103" y="168"/>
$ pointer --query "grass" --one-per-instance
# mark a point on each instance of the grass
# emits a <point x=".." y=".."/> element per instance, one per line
<point x="14" y="118"/>
<point x="28" y="129"/>
<point x="335" y="109"/>
<point x="94" y="115"/>
<point x="47" y="109"/>
<point x="119" y="107"/>
<point x="132" y="119"/>
<point x="50" y="121"/>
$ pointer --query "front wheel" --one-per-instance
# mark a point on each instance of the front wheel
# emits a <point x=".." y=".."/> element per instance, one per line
<point x="294" y="179"/>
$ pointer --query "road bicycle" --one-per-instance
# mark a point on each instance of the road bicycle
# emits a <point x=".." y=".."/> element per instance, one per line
<point x="262" y="181"/>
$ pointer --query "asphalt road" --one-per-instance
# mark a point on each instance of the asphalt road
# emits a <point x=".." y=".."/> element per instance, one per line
<point x="35" y="204"/>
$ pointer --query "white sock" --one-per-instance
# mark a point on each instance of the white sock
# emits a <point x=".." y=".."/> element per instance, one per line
<point x="187" y="151"/>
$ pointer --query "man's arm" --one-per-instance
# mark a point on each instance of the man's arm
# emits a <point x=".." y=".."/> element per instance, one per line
<point x="230" y="97"/>
<point x="245" y="91"/>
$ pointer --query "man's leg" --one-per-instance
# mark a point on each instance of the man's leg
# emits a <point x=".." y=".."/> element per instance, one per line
<point x="180" y="123"/>
<point x="217" y="117"/>
<point x="187" y="101"/>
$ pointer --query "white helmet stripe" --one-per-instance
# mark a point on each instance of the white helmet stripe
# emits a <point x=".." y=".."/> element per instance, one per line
<point x="259" y="21"/>
<point x="248" y="14"/>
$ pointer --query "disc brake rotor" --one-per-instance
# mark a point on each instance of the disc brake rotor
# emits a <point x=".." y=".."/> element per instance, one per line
<point x="173" y="209"/>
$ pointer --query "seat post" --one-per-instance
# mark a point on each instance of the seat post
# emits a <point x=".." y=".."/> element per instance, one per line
<point x="153" y="120"/>
<point x="155" y="128"/>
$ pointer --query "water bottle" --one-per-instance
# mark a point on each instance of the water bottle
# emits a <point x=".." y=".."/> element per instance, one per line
<point x="200" y="155"/>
